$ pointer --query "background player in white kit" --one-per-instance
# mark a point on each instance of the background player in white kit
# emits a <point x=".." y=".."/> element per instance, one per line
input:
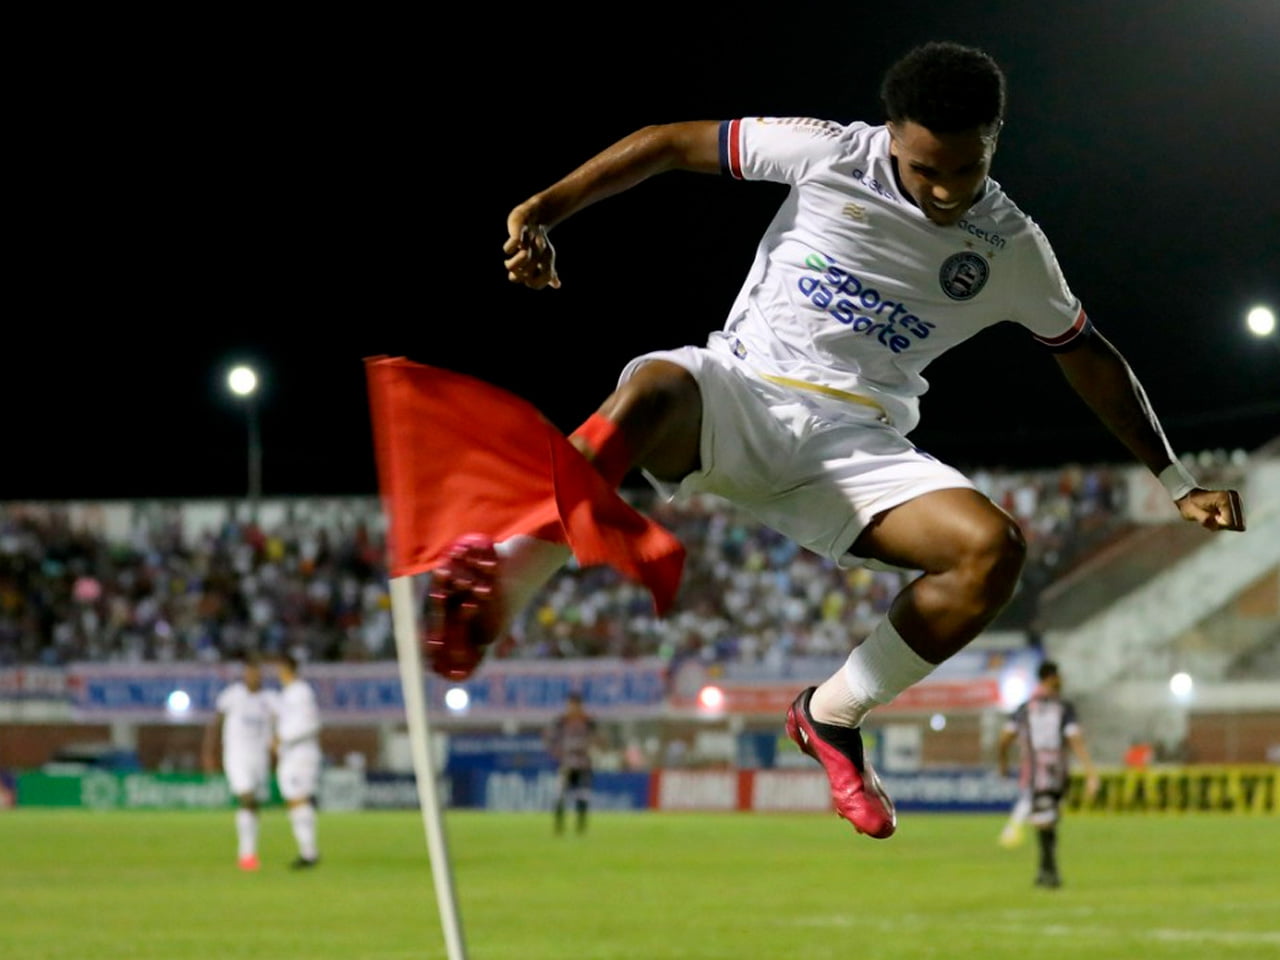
<point x="243" y="718"/>
<point x="892" y="246"/>
<point x="297" y="747"/>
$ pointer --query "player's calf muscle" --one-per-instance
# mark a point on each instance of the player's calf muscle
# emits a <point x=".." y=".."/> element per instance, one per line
<point x="978" y="570"/>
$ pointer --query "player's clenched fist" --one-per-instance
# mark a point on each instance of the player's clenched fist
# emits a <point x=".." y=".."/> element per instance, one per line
<point x="531" y="259"/>
<point x="1213" y="509"/>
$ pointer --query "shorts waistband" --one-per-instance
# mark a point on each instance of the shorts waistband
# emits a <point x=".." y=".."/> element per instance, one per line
<point x="739" y="350"/>
<point x="824" y="390"/>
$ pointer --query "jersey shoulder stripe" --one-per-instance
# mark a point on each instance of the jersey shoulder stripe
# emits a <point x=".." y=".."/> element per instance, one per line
<point x="731" y="148"/>
<point x="1081" y="327"/>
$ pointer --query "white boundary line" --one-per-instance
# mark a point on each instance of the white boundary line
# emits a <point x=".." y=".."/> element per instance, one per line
<point x="1234" y="937"/>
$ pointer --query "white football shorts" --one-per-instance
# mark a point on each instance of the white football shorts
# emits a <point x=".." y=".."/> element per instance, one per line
<point x="1045" y="808"/>
<point x="813" y="468"/>
<point x="298" y="771"/>
<point x="246" y="773"/>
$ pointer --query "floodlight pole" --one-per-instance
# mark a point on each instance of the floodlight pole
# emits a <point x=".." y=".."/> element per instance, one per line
<point x="405" y="626"/>
<point x="243" y="381"/>
<point x="255" y="456"/>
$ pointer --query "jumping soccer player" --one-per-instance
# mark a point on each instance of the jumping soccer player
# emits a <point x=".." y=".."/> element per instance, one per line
<point x="892" y="246"/>
<point x="1044" y="728"/>
<point x="297" y="744"/>
<point x="244" y="719"/>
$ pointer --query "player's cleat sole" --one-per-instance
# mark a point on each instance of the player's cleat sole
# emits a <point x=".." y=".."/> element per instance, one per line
<point x="249" y="863"/>
<point x="304" y="863"/>
<point x="463" y="613"/>
<point x="855" y="788"/>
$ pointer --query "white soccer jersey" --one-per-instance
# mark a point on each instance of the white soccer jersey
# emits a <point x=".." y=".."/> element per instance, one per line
<point x="297" y="714"/>
<point x="298" y="728"/>
<point x="246" y="724"/>
<point x="854" y="289"/>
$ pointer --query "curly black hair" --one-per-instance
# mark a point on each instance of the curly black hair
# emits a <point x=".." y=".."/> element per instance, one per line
<point x="945" y="87"/>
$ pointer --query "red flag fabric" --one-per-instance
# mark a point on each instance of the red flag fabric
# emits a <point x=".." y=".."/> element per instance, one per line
<point x="456" y="455"/>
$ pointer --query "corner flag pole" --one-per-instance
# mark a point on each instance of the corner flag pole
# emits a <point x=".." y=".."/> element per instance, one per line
<point x="405" y="626"/>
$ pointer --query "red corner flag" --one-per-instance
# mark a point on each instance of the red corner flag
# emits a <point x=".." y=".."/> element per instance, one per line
<point x="456" y="455"/>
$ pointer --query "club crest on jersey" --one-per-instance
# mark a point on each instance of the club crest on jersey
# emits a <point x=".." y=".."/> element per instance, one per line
<point x="963" y="275"/>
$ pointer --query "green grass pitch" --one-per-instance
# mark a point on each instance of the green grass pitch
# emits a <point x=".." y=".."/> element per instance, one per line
<point x="647" y="886"/>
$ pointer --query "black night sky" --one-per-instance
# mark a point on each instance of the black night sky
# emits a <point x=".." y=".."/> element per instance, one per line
<point x="303" y="194"/>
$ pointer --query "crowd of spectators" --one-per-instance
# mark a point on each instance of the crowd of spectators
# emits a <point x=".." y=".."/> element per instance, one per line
<point x="315" y="583"/>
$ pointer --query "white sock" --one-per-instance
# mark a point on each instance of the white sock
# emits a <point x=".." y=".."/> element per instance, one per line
<point x="303" y="821"/>
<point x="527" y="564"/>
<point x="247" y="831"/>
<point x="877" y="670"/>
<point x="1021" y="810"/>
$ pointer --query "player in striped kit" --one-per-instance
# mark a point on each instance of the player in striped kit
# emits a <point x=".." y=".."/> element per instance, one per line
<point x="892" y="246"/>
<point x="571" y="737"/>
<point x="1047" y="732"/>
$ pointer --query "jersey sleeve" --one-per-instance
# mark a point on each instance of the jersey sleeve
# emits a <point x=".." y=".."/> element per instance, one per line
<point x="1043" y="301"/>
<point x="1070" y="720"/>
<point x="223" y="701"/>
<point x="777" y="149"/>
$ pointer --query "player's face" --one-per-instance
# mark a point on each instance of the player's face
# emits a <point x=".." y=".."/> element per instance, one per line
<point x="941" y="172"/>
<point x="253" y="677"/>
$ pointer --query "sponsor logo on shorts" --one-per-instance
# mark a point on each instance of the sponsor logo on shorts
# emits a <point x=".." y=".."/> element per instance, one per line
<point x="859" y="306"/>
<point x="963" y="275"/>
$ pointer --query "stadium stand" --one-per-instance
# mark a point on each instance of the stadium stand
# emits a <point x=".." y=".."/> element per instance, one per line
<point x="200" y="581"/>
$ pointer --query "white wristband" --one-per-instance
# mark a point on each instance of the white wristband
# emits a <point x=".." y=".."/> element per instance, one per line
<point x="1177" y="480"/>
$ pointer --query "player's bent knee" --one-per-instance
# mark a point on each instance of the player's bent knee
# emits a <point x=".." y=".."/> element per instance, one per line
<point x="659" y="390"/>
<point x="993" y="557"/>
<point x="660" y="411"/>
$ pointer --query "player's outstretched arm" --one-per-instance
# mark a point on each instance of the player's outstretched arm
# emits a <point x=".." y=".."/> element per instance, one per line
<point x="530" y="257"/>
<point x="1003" y="749"/>
<point x="1104" y="380"/>
<point x="1081" y="751"/>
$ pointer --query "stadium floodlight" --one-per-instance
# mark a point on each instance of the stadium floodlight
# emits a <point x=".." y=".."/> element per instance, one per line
<point x="243" y="382"/>
<point x="457" y="699"/>
<point x="1181" y="686"/>
<point x="1013" y="689"/>
<point x="711" y="699"/>
<point x="1261" y="321"/>
<point x="178" y="703"/>
<point x="937" y="722"/>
